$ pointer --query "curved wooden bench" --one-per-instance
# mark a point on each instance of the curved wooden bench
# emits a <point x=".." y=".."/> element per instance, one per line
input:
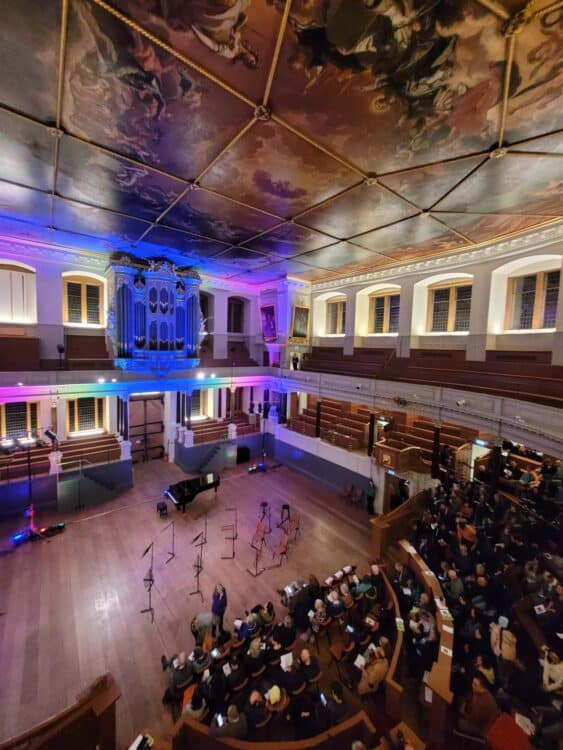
<point x="89" y="722"/>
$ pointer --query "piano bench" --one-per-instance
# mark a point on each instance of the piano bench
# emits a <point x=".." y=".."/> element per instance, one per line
<point x="162" y="508"/>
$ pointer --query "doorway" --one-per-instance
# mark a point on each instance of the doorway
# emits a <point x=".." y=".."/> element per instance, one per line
<point x="146" y="426"/>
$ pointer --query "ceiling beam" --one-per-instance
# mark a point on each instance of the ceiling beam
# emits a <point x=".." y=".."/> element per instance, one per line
<point x="276" y="55"/>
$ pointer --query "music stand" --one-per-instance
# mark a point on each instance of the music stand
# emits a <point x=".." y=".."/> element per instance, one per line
<point x="257" y="571"/>
<point x="148" y="580"/>
<point x="266" y="515"/>
<point x="233" y="529"/>
<point x="171" y="554"/>
<point x="199" y="541"/>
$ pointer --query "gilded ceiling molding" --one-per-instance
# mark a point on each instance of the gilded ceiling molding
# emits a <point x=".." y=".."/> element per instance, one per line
<point x="520" y="244"/>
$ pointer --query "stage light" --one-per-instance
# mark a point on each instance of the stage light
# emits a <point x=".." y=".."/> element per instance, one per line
<point x="200" y="375"/>
<point x="213" y="375"/>
<point x="481" y="443"/>
<point x="20" y="383"/>
<point x="114" y="380"/>
<point x="52" y="437"/>
<point x="19" y="537"/>
<point x="101" y="380"/>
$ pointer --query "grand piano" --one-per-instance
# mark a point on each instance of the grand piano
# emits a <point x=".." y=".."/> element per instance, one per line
<point x="186" y="491"/>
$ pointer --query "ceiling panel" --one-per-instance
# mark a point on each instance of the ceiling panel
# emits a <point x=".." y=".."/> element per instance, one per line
<point x="338" y="255"/>
<point x="358" y="210"/>
<point x="427" y="185"/>
<point x="203" y="212"/>
<point x="126" y="94"/>
<point x="546" y="144"/>
<point x="536" y="100"/>
<point x="288" y="240"/>
<point x="25" y="204"/>
<point x="26" y="152"/>
<point x="88" y="220"/>
<point x="483" y="227"/>
<point x="242" y="258"/>
<point x="29" y="57"/>
<point x="408" y="92"/>
<point x="233" y="40"/>
<point x="92" y="176"/>
<point x="170" y="241"/>
<point x="390" y="85"/>
<point x="275" y="170"/>
<point x="499" y="187"/>
<point x="409" y="238"/>
<point x="281" y="270"/>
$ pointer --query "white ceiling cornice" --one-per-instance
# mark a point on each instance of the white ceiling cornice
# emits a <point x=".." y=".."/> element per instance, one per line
<point x="502" y="249"/>
<point x="32" y="250"/>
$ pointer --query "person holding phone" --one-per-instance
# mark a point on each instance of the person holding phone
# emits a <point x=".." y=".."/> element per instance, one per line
<point x="335" y="705"/>
<point x="233" y="725"/>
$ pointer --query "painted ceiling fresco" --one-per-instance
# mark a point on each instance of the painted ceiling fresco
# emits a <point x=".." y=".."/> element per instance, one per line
<point x="258" y="139"/>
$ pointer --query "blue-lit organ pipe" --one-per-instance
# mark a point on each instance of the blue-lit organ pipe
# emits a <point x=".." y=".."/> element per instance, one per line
<point x="192" y="324"/>
<point x="140" y="325"/>
<point x="124" y="321"/>
<point x="180" y="327"/>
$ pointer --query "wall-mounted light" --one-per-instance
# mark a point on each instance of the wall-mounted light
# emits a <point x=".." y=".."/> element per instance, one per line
<point x="20" y="383"/>
<point x="101" y="380"/>
<point x="213" y="375"/>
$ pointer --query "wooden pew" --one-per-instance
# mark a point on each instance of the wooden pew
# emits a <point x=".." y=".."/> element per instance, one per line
<point x="189" y="734"/>
<point x="438" y="681"/>
<point x="89" y="722"/>
<point x="393" y="688"/>
<point x="389" y="528"/>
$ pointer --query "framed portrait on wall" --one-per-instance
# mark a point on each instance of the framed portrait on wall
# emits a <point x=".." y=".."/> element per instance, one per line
<point x="300" y="324"/>
<point x="269" y="325"/>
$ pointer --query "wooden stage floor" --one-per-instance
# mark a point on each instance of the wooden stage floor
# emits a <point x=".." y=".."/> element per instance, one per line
<point x="71" y="605"/>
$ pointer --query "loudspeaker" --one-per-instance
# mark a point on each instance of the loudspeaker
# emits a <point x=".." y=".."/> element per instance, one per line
<point x="243" y="454"/>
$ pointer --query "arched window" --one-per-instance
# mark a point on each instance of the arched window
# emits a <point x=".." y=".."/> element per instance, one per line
<point x="17" y="293"/>
<point x="83" y="301"/>
<point x="531" y="301"/>
<point x="335" y="315"/>
<point x="153" y="299"/>
<point x="153" y="335"/>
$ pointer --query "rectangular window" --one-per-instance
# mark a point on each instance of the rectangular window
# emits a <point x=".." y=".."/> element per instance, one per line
<point x="379" y="314"/>
<point x="524" y="301"/>
<point x="384" y="313"/>
<point x="18" y="419"/>
<point x="74" y="302"/>
<point x="440" y="310"/>
<point x="85" y="414"/>
<point x="92" y="304"/>
<point x="532" y="301"/>
<point x="462" y="308"/>
<point x="450" y="309"/>
<point x="83" y="302"/>
<point x="336" y="317"/>
<point x="394" y="309"/>
<point x="551" y="295"/>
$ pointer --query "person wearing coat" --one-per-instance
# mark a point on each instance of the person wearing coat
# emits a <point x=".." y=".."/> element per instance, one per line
<point x="218" y="606"/>
<point x="374" y="671"/>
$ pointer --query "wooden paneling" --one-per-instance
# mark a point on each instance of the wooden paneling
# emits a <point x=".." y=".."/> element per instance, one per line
<point x="19" y="353"/>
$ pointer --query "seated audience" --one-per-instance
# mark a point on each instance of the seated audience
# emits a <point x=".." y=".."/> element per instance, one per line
<point x="254" y="657"/>
<point x="480" y="711"/>
<point x="310" y="668"/>
<point x="335" y="706"/>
